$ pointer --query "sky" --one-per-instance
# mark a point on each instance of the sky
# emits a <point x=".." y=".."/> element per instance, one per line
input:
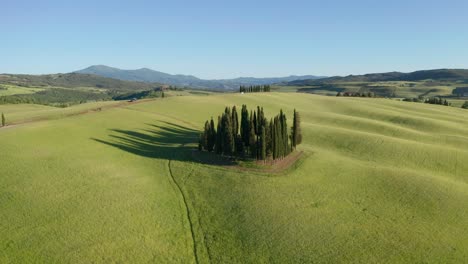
<point x="226" y="39"/>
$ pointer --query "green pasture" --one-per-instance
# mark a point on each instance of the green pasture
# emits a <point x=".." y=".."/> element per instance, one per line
<point x="382" y="181"/>
<point x="7" y="89"/>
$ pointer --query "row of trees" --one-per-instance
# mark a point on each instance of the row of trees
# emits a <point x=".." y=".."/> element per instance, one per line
<point x="436" y="100"/>
<point x="254" y="89"/>
<point x="465" y="105"/>
<point x="357" y="94"/>
<point x="251" y="136"/>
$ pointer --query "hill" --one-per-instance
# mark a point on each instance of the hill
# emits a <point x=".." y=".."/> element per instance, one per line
<point x="148" y="75"/>
<point x="73" y="80"/>
<point x="380" y="181"/>
<point x="439" y="75"/>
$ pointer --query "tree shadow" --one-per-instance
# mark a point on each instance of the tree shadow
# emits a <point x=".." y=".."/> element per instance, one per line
<point x="167" y="141"/>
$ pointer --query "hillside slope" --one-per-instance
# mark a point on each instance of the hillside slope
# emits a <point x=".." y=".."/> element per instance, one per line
<point x="440" y="74"/>
<point x="74" y="80"/>
<point x="381" y="181"/>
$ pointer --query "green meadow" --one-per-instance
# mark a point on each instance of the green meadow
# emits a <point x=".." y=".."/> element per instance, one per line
<point x="6" y="89"/>
<point x="380" y="181"/>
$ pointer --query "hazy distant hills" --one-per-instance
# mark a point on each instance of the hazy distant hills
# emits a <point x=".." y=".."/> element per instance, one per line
<point x="439" y="75"/>
<point x="152" y="76"/>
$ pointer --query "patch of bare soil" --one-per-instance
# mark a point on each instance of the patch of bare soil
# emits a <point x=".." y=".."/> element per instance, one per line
<point x="268" y="166"/>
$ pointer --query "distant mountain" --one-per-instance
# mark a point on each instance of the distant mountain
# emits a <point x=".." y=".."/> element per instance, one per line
<point x="148" y="75"/>
<point x="438" y="75"/>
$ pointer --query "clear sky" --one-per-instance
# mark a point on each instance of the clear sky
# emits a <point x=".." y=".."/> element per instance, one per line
<point x="223" y="39"/>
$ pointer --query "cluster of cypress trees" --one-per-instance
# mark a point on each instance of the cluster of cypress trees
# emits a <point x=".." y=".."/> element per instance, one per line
<point x="254" y="89"/>
<point x="436" y="100"/>
<point x="253" y="136"/>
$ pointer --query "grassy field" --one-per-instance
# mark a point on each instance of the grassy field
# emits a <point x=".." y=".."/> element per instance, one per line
<point x="382" y="181"/>
<point x="13" y="89"/>
<point x="400" y="89"/>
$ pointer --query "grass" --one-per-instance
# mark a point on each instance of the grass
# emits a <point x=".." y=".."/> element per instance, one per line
<point x="13" y="89"/>
<point x="381" y="181"/>
<point x="23" y="113"/>
<point x="399" y="89"/>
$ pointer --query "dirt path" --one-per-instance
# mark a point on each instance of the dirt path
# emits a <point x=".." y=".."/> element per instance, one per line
<point x="187" y="211"/>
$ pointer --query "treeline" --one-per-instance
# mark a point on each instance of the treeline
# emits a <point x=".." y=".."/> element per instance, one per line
<point x="155" y="93"/>
<point x="254" y="89"/>
<point x="356" y="94"/>
<point x="251" y="136"/>
<point x="437" y="101"/>
<point x="55" y="97"/>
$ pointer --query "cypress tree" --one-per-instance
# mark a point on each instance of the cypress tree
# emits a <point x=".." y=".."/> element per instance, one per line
<point x="296" y="133"/>
<point x="228" y="138"/>
<point x="235" y="122"/>
<point x="255" y="123"/>
<point x="3" y="120"/>
<point x="205" y="135"/>
<point x="252" y="142"/>
<point x="263" y="145"/>
<point x="286" y="148"/>
<point x="219" y="138"/>
<point x="200" y="147"/>
<point x="270" y="138"/>
<point x="278" y="136"/>
<point x="245" y="125"/>
<point x="239" y="145"/>
<point x="211" y="136"/>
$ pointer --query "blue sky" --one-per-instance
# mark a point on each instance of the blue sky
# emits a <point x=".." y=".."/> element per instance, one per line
<point x="221" y="39"/>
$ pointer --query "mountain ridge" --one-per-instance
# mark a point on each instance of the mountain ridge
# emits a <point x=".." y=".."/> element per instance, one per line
<point x="435" y="74"/>
<point x="151" y="76"/>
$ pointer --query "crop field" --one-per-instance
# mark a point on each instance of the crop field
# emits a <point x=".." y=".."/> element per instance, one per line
<point x="380" y="181"/>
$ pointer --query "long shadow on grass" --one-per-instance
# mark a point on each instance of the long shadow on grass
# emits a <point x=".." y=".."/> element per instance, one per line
<point x="168" y="141"/>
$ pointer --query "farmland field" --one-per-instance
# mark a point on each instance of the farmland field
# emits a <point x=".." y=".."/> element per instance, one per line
<point x="381" y="181"/>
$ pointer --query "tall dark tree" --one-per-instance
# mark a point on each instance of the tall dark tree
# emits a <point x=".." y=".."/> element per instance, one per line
<point x="263" y="145"/>
<point x="245" y="125"/>
<point x="252" y="142"/>
<point x="270" y="137"/>
<point x="211" y="136"/>
<point x="296" y="133"/>
<point x="219" y="138"/>
<point x="228" y="137"/>
<point x="205" y="135"/>
<point x="3" y="120"/>
<point x="235" y="122"/>
<point x="255" y="123"/>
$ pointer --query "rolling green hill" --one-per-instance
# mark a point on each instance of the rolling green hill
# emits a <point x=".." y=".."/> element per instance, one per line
<point x="393" y="84"/>
<point x="381" y="181"/>
<point x="73" y="80"/>
<point x="66" y="89"/>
